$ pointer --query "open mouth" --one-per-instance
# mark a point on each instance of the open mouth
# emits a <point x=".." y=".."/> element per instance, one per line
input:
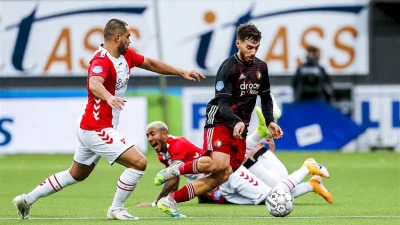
<point x="154" y="145"/>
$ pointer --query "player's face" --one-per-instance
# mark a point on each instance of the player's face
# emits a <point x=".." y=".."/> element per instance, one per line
<point x="157" y="139"/>
<point x="247" y="49"/>
<point x="124" y="42"/>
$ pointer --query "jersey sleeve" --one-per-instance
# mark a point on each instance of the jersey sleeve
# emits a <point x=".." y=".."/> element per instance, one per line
<point x="266" y="99"/>
<point x="177" y="150"/>
<point x="133" y="58"/>
<point x="265" y="85"/>
<point x="99" y="67"/>
<point x="223" y="84"/>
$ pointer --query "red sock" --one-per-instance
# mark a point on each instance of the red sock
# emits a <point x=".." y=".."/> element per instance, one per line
<point x="184" y="194"/>
<point x="189" y="168"/>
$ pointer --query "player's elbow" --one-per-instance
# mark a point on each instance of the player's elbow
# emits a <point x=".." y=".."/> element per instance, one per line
<point x="92" y="86"/>
<point x="227" y="174"/>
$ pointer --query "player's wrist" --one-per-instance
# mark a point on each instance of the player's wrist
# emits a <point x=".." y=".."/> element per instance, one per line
<point x="269" y="121"/>
<point x="236" y="122"/>
<point x="181" y="72"/>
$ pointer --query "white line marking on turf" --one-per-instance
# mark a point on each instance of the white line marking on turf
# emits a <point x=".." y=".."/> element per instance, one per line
<point x="216" y="217"/>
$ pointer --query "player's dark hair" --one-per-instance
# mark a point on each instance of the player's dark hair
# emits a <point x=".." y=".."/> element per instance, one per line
<point x="248" y="31"/>
<point x="113" y="27"/>
<point x="312" y="49"/>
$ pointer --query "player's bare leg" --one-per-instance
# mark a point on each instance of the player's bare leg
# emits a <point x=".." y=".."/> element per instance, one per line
<point x="54" y="183"/>
<point x="169" y="204"/>
<point x="135" y="163"/>
<point x="217" y="161"/>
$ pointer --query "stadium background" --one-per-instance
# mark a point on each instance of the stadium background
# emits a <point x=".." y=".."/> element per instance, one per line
<point x="45" y="47"/>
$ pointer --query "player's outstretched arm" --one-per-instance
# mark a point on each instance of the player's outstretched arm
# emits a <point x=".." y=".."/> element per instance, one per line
<point x="169" y="187"/>
<point x="163" y="68"/>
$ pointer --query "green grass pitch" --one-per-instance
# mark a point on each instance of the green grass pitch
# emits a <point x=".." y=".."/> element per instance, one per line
<point x="365" y="188"/>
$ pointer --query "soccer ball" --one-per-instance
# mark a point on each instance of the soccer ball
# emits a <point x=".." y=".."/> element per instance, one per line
<point x="280" y="203"/>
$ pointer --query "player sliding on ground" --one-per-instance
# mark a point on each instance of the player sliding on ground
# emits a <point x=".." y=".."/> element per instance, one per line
<point x="108" y="76"/>
<point x="251" y="183"/>
<point x="239" y="80"/>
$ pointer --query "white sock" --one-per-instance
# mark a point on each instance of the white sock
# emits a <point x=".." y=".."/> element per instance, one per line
<point x="51" y="185"/>
<point x="252" y="140"/>
<point x="302" y="189"/>
<point x="290" y="182"/>
<point x="125" y="186"/>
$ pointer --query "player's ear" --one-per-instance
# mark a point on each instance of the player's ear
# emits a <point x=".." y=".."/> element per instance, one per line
<point x="237" y="43"/>
<point x="117" y="38"/>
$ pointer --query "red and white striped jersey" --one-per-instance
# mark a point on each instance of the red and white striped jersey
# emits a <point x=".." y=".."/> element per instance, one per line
<point x="179" y="148"/>
<point x="115" y="71"/>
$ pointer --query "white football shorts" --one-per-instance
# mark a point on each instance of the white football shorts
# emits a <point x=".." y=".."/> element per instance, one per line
<point x="107" y="143"/>
<point x="244" y="188"/>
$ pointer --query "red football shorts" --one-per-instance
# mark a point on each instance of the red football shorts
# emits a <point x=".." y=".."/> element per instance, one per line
<point x="220" y="139"/>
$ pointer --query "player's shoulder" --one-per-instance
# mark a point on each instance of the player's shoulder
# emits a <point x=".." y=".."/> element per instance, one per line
<point x="129" y="52"/>
<point x="261" y="64"/>
<point x="173" y="139"/>
<point x="100" y="56"/>
<point x="227" y="63"/>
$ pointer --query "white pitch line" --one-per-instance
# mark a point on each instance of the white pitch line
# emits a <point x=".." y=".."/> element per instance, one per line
<point x="216" y="217"/>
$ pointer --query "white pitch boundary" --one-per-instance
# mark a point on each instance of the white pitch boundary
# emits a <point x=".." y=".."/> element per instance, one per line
<point x="215" y="217"/>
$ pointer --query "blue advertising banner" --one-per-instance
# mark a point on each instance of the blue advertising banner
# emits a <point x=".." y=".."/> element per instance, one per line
<point x="315" y="125"/>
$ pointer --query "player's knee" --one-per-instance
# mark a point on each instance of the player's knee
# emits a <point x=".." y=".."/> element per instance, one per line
<point x="227" y="174"/>
<point x="220" y="164"/>
<point x="78" y="175"/>
<point x="140" y="164"/>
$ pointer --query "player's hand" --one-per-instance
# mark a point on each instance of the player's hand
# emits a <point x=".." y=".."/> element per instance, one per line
<point x="271" y="143"/>
<point x="116" y="102"/>
<point x="192" y="75"/>
<point x="144" y="204"/>
<point x="238" y="130"/>
<point x="275" y="130"/>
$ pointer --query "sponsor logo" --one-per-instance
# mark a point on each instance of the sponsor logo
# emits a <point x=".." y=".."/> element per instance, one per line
<point x="97" y="69"/>
<point x="219" y="86"/>
<point x="218" y="143"/>
<point x="249" y="88"/>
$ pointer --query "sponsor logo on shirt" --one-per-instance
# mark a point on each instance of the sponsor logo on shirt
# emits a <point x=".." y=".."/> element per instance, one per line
<point x="249" y="88"/>
<point x="97" y="69"/>
<point x="219" y="86"/>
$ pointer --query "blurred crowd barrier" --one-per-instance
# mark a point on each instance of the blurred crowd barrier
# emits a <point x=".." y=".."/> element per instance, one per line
<point x="57" y="38"/>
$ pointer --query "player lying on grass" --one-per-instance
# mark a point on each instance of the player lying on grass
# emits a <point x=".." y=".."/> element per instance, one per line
<point x="250" y="184"/>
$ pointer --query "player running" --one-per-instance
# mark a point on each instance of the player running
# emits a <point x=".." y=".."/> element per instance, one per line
<point x="243" y="186"/>
<point x="108" y="76"/>
<point x="239" y="80"/>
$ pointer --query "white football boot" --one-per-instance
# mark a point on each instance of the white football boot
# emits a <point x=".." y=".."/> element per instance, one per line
<point x="120" y="214"/>
<point x="23" y="208"/>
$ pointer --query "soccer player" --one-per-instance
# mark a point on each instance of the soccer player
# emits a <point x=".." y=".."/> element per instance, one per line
<point x="239" y="80"/>
<point x="243" y="187"/>
<point x="108" y="75"/>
